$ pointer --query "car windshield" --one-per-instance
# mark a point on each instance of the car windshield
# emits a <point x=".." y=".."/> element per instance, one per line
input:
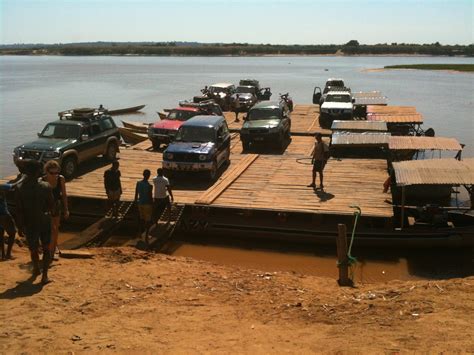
<point x="249" y="82"/>
<point x="338" y="98"/>
<point x="264" y="114"/>
<point x="339" y="83"/>
<point x="61" y="131"/>
<point x="196" y="134"/>
<point x="215" y="89"/>
<point x="180" y="115"/>
<point x="245" y="90"/>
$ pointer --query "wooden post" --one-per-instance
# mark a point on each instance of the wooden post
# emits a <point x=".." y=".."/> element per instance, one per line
<point x="402" y="214"/>
<point x="343" y="260"/>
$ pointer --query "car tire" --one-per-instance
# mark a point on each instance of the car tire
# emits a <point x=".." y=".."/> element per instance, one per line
<point x="156" y="145"/>
<point x="111" y="152"/>
<point x="213" y="172"/>
<point x="245" y="146"/>
<point x="69" y="167"/>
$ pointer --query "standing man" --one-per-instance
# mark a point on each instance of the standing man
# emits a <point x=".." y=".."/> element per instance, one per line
<point x="144" y="200"/>
<point x="113" y="187"/>
<point x="34" y="204"/>
<point x="319" y="159"/>
<point x="162" y="194"/>
<point x="236" y="107"/>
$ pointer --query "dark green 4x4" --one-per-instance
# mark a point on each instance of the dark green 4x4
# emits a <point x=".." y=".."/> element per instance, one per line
<point x="79" y="135"/>
<point x="267" y="122"/>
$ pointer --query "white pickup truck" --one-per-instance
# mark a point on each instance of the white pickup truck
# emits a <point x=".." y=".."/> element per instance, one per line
<point x="338" y="105"/>
<point x="332" y="84"/>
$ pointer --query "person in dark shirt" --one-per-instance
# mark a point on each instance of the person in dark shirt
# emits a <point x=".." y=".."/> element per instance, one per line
<point x="34" y="205"/>
<point x="7" y="223"/>
<point x="113" y="187"/>
<point x="144" y="200"/>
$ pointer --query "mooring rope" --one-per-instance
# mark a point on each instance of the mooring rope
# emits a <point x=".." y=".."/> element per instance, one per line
<point x="300" y="161"/>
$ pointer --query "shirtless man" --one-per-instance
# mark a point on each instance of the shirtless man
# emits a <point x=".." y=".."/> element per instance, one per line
<point x="319" y="159"/>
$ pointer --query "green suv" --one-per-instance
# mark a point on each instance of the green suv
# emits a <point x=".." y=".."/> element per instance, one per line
<point x="267" y="122"/>
<point x="79" y="135"/>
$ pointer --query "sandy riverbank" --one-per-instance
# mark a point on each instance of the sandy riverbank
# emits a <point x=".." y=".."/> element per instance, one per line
<point x="378" y="70"/>
<point x="124" y="299"/>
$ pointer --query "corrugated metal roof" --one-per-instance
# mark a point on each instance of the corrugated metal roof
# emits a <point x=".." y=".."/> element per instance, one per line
<point x="434" y="172"/>
<point x="359" y="126"/>
<point x="423" y="143"/>
<point x="399" y="118"/>
<point x="369" y="98"/>
<point x="360" y="139"/>
<point x="391" y="109"/>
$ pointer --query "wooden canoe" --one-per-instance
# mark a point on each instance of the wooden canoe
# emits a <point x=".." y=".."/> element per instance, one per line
<point x="131" y="136"/>
<point x="136" y="126"/>
<point x="123" y="111"/>
<point x="163" y="115"/>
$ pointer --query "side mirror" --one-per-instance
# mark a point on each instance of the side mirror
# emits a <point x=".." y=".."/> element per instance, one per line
<point x="84" y="137"/>
<point x="220" y="139"/>
<point x="245" y="118"/>
<point x="353" y="101"/>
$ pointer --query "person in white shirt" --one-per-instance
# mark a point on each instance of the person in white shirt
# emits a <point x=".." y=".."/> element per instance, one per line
<point x="162" y="195"/>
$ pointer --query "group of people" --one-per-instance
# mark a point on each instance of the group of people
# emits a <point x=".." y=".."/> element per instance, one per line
<point x="40" y="199"/>
<point x="151" y="198"/>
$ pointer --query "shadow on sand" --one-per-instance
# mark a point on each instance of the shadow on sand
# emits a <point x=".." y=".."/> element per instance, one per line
<point x="23" y="289"/>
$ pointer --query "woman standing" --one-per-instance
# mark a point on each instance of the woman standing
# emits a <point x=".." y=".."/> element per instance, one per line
<point x="58" y="185"/>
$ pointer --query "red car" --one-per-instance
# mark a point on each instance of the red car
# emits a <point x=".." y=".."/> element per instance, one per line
<point x="164" y="131"/>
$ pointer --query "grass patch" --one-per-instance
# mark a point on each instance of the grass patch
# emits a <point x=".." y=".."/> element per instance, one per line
<point x="456" y="67"/>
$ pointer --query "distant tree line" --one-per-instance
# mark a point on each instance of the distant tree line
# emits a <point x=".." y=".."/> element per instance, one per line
<point x="233" y="49"/>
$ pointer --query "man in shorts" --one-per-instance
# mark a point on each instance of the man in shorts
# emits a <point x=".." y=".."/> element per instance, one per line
<point x="144" y="201"/>
<point x="34" y="204"/>
<point x="113" y="188"/>
<point x="319" y="159"/>
<point x="161" y="195"/>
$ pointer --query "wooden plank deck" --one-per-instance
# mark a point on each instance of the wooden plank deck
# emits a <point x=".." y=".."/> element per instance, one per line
<point x="267" y="182"/>
<point x="304" y="121"/>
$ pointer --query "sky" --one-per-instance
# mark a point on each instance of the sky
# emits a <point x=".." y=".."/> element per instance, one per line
<point x="249" y="21"/>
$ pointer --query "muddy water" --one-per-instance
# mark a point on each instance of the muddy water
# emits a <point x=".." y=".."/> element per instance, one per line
<point x="372" y="266"/>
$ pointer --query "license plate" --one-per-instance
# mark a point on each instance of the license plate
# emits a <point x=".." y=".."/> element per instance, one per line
<point x="259" y="139"/>
<point x="185" y="167"/>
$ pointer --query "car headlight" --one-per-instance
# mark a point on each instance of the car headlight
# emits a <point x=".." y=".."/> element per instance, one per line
<point x="348" y="111"/>
<point x="202" y="157"/>
<point x="273" y="129"/>
<point x="169" y="156"/>
<point x="16" y="151"/>
<point x="52" y="154"/>
<point x="325" y="110"/>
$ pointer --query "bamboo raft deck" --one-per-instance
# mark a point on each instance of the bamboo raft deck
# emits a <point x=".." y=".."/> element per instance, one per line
<point x="304" y="121"/>
<point x="259" y="182"/>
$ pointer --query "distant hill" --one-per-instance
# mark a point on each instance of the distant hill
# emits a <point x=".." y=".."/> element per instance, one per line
<point x="232" y="49"/>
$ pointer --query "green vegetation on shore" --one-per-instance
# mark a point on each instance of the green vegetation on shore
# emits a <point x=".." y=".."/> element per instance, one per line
<point x="455" y="67"/>
<point x="232" y="49"/>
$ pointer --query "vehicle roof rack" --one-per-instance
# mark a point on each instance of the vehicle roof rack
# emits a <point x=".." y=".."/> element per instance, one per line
<point x="206" y="103"/>
<point x="82" y="114"/>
